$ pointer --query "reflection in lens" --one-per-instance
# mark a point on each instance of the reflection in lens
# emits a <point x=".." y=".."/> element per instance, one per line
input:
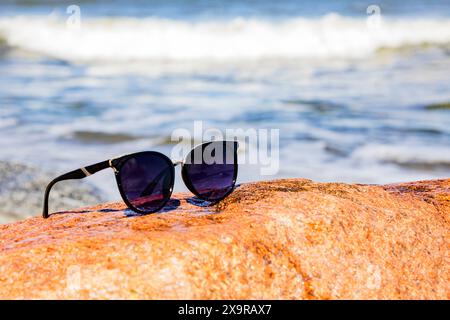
<point x="146" y="180"/>
<point x="210" y="170"/>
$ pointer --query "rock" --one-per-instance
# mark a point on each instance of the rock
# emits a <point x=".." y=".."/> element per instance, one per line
<point x="438" y="106"/>
<point x="103" y="137"/>
<point x="284" y="239"/>
<point x="321" y="106"/>
<point x="22" y="192"/>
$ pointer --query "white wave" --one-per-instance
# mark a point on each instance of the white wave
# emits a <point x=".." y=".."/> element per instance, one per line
<point x="420" y="154"/>
<point x="131" y="39"/>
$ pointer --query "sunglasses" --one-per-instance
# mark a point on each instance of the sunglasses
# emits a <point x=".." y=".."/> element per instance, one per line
<point x="146" y="179"/>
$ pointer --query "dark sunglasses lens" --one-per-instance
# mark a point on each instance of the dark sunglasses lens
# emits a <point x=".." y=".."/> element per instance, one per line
<point x="211" y="169"/>
<point x="147" y="181"/>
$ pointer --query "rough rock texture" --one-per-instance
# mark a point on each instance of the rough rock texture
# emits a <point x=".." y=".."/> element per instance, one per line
<point x="293" y="239"/>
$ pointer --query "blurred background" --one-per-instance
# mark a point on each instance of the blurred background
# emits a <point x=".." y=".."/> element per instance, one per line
<point x="360" y="90"/>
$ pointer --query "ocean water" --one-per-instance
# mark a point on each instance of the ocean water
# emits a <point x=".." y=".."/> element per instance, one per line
<point x="352" y="93"/>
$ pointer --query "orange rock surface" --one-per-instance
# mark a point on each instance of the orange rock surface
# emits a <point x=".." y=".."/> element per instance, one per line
<point x="285" y="239"/>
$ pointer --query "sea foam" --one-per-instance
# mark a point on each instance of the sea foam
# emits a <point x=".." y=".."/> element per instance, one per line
<point x="123" y="39"/>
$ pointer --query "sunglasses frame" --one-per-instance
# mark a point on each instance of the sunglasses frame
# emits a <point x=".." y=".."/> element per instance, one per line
<point x="188" y="182"/>
<point x="117" y="163"/>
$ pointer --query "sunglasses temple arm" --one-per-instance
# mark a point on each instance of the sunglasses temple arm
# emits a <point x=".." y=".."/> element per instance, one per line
<point x="73" y="175"/>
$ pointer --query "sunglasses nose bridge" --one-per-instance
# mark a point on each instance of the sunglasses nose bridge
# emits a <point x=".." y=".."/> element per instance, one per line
<point x="177" y="162"/>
